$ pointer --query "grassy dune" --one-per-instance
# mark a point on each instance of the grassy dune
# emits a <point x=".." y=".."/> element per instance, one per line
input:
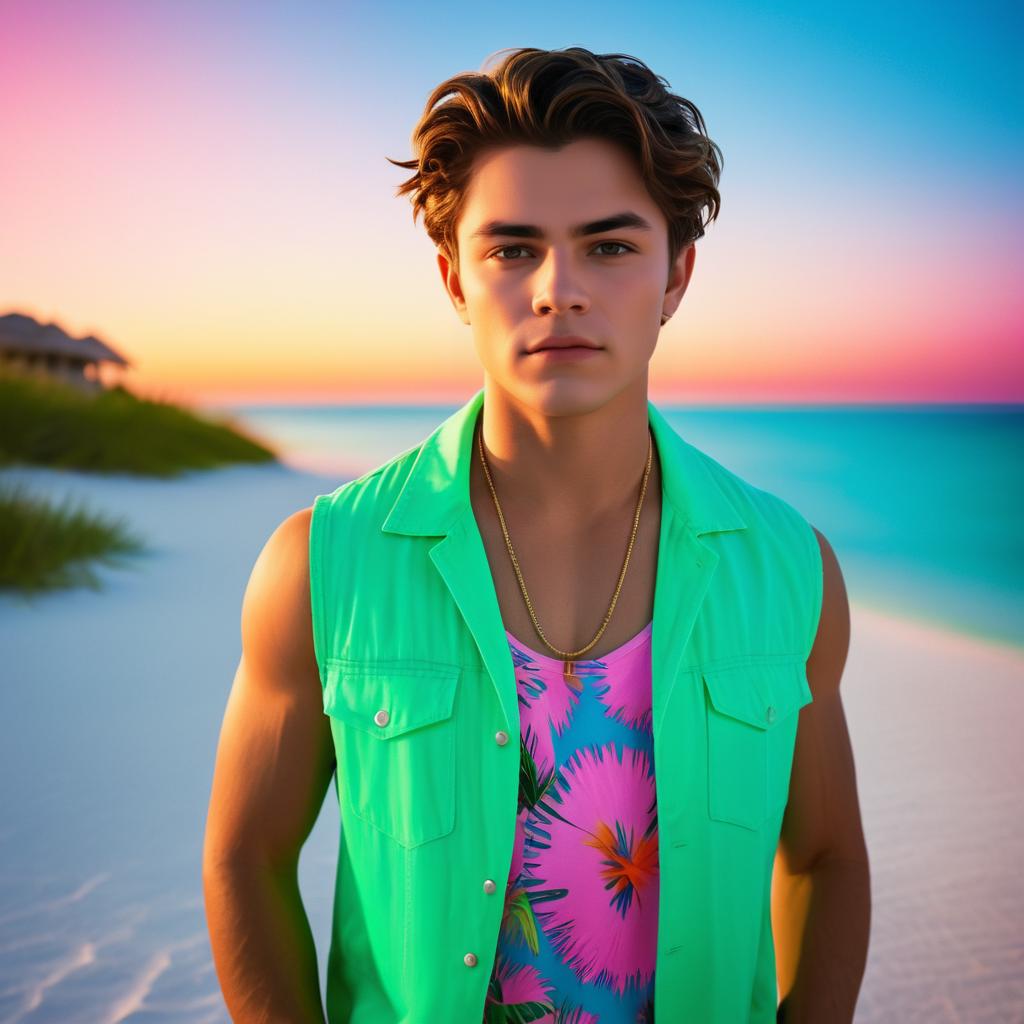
<point x="48" y="423"/>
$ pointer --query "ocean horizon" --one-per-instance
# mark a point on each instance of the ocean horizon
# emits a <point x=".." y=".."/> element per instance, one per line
<point x="919" y="502"/>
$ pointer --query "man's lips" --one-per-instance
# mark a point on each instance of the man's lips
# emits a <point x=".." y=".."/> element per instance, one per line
<point x="563" y="341"/>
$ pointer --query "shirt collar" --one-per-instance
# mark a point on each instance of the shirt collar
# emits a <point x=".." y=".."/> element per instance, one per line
<point x="436" y="492"/>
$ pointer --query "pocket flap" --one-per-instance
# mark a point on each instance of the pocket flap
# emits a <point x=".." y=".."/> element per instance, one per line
<point x="387" y="699"/>
<point x="759" y="693"/>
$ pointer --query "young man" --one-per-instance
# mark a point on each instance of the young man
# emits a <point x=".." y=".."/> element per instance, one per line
<point x="577" y="683"/>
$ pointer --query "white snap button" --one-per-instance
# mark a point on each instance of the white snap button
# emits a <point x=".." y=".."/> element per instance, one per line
<point x="501" y="737"/>
<point x="382" y="717"/>
<point x="489" y="885"/>
<point x="469" y="959"/>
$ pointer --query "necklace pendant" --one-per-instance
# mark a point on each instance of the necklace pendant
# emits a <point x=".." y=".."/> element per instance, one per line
<point x="569" y="672"/>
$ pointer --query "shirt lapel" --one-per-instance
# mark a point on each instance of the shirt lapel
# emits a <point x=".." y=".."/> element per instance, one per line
<point x="435" y="502"/>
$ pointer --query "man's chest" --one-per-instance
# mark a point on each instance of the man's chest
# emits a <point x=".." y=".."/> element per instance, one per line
<point x="571" y="576"/>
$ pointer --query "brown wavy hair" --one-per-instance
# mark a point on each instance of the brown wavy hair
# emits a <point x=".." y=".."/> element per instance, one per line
<point x="549" y="98"/>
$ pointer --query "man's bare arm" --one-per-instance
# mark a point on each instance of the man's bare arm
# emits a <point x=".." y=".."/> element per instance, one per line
<point x="821" y="890"/>
<point x="275" y="760"/>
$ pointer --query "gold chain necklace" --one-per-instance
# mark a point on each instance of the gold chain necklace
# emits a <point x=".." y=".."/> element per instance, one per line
<point x="568" y="656"/>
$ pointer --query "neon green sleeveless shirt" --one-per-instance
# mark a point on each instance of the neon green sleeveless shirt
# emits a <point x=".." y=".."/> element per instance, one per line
<point x="419" y="686"/>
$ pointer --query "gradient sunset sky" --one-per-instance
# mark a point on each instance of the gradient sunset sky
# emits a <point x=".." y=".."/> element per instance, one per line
<point x="204" y="186"/>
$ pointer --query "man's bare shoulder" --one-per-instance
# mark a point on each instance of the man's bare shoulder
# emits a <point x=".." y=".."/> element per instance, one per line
<point x="277" y="636"/>
<point x="275" y="756"/>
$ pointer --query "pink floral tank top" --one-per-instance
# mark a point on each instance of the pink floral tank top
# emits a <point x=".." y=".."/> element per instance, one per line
<point x="580" y="920"/>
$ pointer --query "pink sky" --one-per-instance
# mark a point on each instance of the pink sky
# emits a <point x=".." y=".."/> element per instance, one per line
<point x="220" y="210"/>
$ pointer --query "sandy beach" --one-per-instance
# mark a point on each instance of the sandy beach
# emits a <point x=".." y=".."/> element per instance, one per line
<point x="110" y="707"/>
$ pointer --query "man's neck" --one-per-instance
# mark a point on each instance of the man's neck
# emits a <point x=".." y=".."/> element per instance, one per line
<point x="575" y="468"/>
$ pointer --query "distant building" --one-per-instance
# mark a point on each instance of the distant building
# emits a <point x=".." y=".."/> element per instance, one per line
<point x="29" y="346"/>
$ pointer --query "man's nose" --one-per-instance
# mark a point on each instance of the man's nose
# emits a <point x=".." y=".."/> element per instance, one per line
<point x="558" y="285"/>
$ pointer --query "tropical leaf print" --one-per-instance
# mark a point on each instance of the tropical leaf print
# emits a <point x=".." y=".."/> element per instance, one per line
<point x="570" y="1013"/>
<point x="581" y="899"/>
<point x="516" y="994"/>
<point x="521" y="1013"/>
<point x="600" y="849"/>
<point x="623" y="700"/>
<point x="518" y="923"/>
<point x="546" y="702"/>
<point x="533" y="784"/>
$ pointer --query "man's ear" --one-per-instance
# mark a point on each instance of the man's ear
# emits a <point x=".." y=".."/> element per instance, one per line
<point x="679" y="278"/>
<point x="452" y="285"/>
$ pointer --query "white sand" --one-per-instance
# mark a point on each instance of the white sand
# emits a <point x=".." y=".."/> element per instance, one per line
<point x="935" y="719"/>
<point x="111" y="702"/>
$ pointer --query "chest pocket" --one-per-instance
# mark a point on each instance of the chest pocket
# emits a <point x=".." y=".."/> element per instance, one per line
<point x="752" y="720"/>
<point x="394" y="738"/>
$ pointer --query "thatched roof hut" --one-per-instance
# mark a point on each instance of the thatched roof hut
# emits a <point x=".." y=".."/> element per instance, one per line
<point x="27" y="345"/>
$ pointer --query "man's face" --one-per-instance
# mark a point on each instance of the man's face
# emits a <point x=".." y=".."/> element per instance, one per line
<point x="525" y="272"/>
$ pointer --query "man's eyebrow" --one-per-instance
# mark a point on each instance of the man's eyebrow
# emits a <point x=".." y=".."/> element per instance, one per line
<point x="502" y="229"/>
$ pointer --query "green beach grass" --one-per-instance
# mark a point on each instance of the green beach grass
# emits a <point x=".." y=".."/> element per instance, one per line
<point x="45" y="422"/>
<point x="49" y="423"/>
<point x="49" y="547"/>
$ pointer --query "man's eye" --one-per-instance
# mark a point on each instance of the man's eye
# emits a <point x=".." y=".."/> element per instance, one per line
<point x="506" y="248"/>
<point x="619" y="244"/>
